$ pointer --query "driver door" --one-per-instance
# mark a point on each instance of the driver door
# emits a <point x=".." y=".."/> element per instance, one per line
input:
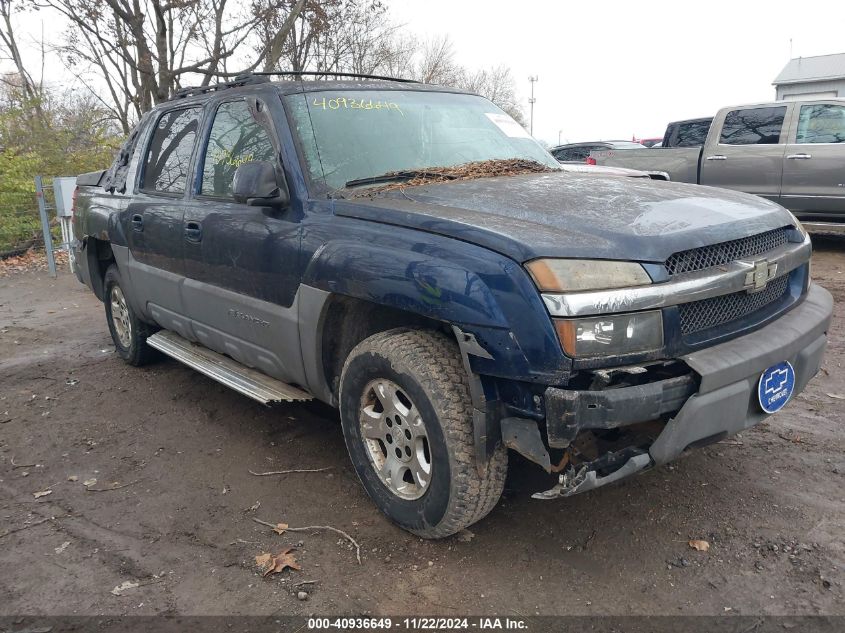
<point x="240" y="261"/>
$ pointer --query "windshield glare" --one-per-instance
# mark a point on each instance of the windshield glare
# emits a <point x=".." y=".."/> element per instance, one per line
<point x="350" y="135"/>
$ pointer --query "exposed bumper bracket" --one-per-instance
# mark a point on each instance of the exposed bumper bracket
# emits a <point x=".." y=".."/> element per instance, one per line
<point x="484" y="405"/>
<point x="570" y="411"/>
<point x="523" y="436"/>
<point x="575" y="481"/>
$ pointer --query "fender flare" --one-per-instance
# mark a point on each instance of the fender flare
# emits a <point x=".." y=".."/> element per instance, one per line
<point x="405" y="279"/>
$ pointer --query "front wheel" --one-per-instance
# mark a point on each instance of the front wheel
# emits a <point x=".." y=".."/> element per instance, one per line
<point x="128" y="332"/>
<point x="406" y="414"/>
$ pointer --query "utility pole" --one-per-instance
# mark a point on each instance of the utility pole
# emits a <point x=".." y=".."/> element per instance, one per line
<point x="559" y="132"/>
<point x="531" y="101"/>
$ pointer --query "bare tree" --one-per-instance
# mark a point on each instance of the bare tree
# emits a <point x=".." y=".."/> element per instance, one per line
<point x="32" y="91"/>
<point x="333" y="35"/>
<point x="145" y="50"/>
<point x="437" y="63"/>
<point x="134" y="54"/>
<point x="496" y="84"/>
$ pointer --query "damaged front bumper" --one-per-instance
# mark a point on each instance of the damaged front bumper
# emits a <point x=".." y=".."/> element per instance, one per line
<point x="718" y="400"/>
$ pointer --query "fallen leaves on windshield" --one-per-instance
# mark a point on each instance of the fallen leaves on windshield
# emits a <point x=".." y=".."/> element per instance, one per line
<point x="467" y="171"/>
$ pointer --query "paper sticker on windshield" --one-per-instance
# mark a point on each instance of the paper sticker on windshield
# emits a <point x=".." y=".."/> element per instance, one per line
<point x="507" y="125"/>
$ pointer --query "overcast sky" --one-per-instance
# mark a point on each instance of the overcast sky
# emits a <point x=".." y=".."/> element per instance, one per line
<point x="613" y="69"/>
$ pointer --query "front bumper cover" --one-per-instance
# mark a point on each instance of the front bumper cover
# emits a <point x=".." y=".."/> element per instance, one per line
<point x="725" y="402"/>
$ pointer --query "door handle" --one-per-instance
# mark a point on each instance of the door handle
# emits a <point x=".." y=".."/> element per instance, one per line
<point x="138" y="222"/>
<point x="193" y="231"/>
<point x="717" y="157"/>
<point x="799" y="156"/>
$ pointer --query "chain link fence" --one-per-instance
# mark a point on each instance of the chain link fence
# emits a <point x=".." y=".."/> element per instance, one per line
<point x="20" y="224"/>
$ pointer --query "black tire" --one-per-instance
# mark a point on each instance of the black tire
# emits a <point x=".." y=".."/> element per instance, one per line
<point x="129" y="334"/>
<point x="427" y="367"/>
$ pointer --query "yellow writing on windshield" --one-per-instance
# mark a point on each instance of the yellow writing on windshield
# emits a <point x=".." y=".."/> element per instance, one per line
<point x="344" y="103"/>
<point x="223" y="156"/>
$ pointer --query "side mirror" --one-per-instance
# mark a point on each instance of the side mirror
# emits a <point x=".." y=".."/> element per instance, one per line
<point x="257" y="184"/>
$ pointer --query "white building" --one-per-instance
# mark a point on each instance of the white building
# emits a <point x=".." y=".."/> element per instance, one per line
<point x="819" y="77"/>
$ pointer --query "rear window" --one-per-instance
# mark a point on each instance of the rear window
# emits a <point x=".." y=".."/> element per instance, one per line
<point x="115" y="178"/>
<point x="573" y="153"/>
<point x="690" y="134"/>
<point x="169" y="153"/>
<point x="754" y="126"/>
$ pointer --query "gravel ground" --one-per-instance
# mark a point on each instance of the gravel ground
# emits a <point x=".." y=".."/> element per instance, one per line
<point x="770" y="502"/>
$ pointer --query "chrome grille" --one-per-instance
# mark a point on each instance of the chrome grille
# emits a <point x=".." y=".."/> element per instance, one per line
<point x="725" y="252"/>
<point x="707" y="313"/>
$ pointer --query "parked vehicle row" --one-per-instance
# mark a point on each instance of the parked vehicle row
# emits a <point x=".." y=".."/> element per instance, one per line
<point x="577" y="153"/>
<point x="789" y="152"/>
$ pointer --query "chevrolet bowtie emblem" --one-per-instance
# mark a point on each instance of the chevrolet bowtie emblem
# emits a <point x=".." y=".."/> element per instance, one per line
<point x="757" y="278"/>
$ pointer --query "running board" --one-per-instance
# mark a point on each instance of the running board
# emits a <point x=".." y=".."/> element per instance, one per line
<point x="249" y="382"/>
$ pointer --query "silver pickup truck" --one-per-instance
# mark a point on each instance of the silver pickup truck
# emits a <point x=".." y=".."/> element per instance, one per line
<point x="790" y="152"/>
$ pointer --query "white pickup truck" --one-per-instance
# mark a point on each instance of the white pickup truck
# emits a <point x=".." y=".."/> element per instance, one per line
<point x="790" y="152"/>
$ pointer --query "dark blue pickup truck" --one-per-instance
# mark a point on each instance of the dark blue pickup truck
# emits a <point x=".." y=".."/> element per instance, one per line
<point x="409" y="254"/>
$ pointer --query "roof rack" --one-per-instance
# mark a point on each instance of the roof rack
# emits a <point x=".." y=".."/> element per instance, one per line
<point x="263" y="77"/>
<point x="327" y="73"/>
<point x="240" y="80"/>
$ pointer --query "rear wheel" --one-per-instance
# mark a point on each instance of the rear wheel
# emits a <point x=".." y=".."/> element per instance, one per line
<point x="128" y="332"/>
<point x="407" y="420"/>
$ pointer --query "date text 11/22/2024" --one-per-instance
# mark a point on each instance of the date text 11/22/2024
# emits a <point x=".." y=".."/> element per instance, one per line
<point x="418" y="623"/>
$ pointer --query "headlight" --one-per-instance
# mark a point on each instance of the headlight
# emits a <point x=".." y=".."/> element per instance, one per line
<point x="573" y="275"/>
<point x="611" y="335"/>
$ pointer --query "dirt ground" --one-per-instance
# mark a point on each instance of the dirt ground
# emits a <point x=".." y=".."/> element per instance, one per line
<point x="771" y="502"/>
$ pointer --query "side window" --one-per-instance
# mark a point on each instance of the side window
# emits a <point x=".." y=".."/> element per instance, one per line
<point x="821" y="123"/>
<point x="562" y="154"/>
<point x="755" y="126"/>
<point x="169" y="154"/>
<point x="235" y="138"/>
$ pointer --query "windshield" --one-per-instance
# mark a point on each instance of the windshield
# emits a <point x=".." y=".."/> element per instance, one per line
<point x="353" y="135"/>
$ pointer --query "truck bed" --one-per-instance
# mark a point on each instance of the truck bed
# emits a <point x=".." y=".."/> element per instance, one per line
<point x="678" y="164"/>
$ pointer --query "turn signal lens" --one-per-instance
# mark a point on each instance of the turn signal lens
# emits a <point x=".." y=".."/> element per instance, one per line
<point x="572" y="275"/>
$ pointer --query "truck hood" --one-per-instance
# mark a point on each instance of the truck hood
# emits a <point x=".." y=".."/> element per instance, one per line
<point x="571" y="215"/>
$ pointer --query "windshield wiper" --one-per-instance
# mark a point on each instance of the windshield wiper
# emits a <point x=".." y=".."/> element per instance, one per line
<point x="398" y="176"/>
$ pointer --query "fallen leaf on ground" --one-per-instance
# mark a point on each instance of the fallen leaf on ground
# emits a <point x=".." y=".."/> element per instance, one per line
<point x="280" y="528"/>
<point x="701" y="546"/>
<point x="836" y="396"/>
<point x="126" y="584"/>
<point x="42" y="493"/>
<point x="62" y="547"/>
<point x="275" y="563"/>
<point x="89" y="482"/>
<point x="73" y="478"/>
